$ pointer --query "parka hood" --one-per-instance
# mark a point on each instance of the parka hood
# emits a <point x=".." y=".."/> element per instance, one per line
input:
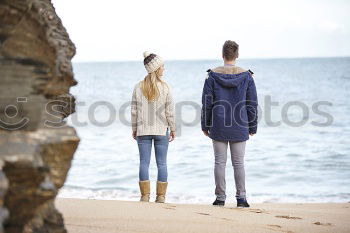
<point x="229" y="80"/>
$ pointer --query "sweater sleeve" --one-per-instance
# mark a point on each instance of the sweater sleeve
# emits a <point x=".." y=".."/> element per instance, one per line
<point x="134" y="111"/>
<point x="252" y="106"/>
<point x="207" y="104"/>
<point x="169" y="110"/>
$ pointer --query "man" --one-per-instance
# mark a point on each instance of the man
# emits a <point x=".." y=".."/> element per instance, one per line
<point x="229" y="116"/>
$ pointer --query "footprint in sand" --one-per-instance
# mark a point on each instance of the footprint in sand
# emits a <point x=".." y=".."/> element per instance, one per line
<point x="202" y="213"/>
<point x="278" y="228"/>
<point x="258" y="211"/>
<point x="271" y="225"/>
<point x="287" y="217"/>
<point x="170" y="207"/>
<point x="323" y="224"/>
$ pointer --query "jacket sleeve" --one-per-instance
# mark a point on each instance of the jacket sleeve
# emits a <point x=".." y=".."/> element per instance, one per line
<point x="169" y="110"/>
<point x="134" y="111"/>
<point x="252" y="106"/>
<point x="207" y="104"/>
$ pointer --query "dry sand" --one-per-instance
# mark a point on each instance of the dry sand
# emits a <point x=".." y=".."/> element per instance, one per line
<point x="102" y="216"/>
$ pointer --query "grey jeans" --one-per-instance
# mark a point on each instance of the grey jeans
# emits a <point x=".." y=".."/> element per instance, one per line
<point x="237" y="157"/>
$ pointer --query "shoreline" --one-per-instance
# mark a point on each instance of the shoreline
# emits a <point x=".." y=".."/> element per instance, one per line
<point x="110" y="216"/>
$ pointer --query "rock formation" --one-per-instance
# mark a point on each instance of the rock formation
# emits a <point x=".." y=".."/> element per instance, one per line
<point x="36" y="145"/>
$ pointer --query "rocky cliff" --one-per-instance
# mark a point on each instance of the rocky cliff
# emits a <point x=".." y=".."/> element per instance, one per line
<point x="36" y="145"/>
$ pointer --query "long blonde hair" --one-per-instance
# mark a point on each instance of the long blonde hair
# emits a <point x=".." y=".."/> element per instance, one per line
<point x="149" y="85"/>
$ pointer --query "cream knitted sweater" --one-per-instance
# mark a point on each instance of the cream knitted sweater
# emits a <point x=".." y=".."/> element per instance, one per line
<point x="152" y="117"/>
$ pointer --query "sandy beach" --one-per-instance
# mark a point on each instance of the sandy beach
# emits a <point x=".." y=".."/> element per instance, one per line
<point x="109" y="216"/>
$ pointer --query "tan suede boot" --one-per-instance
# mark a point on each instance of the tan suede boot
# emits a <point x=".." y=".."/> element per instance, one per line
<point x="145" y="190"/>
<point x="161" y="191"/>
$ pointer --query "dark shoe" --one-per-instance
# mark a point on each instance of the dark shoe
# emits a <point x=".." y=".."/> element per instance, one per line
<point x="219" y="203"/>
<point x="242" y="202"/>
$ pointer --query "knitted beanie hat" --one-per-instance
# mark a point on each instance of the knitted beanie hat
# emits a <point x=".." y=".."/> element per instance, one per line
<point x="152" y="61"/>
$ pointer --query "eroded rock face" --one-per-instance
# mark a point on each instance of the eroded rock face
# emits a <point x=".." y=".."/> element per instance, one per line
<point x="36" y="146"/>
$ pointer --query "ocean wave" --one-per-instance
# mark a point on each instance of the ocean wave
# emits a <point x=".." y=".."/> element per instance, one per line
<point x="120" y="194"/>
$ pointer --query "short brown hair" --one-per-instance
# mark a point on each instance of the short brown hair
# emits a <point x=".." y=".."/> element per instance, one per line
<point x="230" y="50"/>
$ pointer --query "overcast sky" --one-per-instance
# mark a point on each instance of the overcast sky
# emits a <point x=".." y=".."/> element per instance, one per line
<point x="110" y="30"/>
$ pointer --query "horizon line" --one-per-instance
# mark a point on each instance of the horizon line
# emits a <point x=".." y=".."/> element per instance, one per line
<point x="212" y="59"/>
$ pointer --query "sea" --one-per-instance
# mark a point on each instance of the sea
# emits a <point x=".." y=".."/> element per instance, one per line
<point x="300" y="154"/>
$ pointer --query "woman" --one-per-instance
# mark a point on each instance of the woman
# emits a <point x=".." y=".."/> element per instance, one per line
<point x="152" y="115"/>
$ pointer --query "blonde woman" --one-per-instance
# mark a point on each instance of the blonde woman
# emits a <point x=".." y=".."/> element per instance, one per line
<point x="152" y="116"/>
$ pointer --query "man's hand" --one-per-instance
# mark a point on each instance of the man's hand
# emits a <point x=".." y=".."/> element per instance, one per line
<point x="206" y="133"/>
<point x="251" y="134"/>
<point x="172" y="136"/>
<point x="134" y="134"/>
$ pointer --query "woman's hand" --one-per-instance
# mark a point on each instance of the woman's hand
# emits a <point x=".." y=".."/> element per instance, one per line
<point x="134" y="134"/>
<point x="172" y="136"/>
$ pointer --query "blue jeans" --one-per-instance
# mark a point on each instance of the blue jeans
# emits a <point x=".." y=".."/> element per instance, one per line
<point x="161" y="149"/>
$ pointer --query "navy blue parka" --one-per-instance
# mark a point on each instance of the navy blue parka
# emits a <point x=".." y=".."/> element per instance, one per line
<point x="229" y="106"/>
